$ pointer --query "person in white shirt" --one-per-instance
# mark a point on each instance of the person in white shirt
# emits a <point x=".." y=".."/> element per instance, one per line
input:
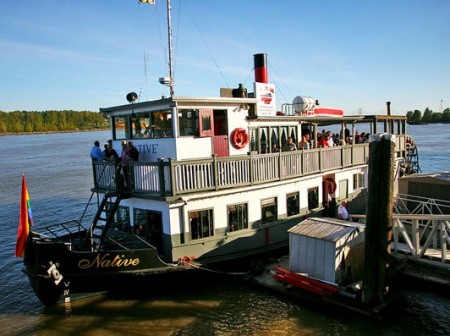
<point x="342" y="210"/>
<point x="330" y="139"/>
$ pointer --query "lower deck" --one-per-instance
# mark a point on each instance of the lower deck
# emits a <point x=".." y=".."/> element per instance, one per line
<point x="228" y="224"/>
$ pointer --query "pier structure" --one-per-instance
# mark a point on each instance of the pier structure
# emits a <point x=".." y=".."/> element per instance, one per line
<point x="420" y="238"/>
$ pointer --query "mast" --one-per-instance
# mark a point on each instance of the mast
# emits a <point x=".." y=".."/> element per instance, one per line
<point x="169" y="37"/>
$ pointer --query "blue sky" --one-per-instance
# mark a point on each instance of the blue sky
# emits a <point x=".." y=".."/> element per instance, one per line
<point x="355" y="55"/>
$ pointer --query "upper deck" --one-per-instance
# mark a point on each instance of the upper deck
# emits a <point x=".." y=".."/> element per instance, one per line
<point x="174" y="178"/>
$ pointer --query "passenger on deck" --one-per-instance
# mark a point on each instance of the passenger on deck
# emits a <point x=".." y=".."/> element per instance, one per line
<point x="110" y="153"/>
<point x="124" y="159"/>
<point x="274" y="148"/>
<point x="342" y="210"/>
<point x="323" y="142"/>
<point x="133" y="153"/>
<point x="96" y="152"/>
<point x="304" y="144"/>
<point x="290" y="145"/>
<point x="330" y="139"/>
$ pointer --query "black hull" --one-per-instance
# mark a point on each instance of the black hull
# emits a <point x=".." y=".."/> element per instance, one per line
<point x="52" y="267"/>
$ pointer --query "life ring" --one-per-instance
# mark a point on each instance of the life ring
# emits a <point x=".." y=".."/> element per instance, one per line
<point x="239" y="138"/>
<point x="331" y="185"/>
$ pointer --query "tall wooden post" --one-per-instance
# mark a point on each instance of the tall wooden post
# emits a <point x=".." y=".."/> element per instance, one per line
<point x="379" y="217"/>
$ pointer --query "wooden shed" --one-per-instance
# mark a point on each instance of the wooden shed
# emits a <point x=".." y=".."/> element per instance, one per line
<point x="327" y="249"/>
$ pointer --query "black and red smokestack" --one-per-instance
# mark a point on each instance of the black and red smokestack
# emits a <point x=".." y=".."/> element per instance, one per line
<point x="260" y="61"/>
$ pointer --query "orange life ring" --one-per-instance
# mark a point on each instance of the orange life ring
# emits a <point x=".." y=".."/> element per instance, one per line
<point x="331" y="185"/>
<point x="239" y="138"/>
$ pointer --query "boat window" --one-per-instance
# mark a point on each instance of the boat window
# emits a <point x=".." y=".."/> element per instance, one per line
<point x="188" y="121"/>
<point x="139" y="223"/>
<point x="121" y="126"/>
<point x="293" y="204"/>
<point x="274" y="139"/>
<point x="313" y="198"/>
<point x="269" y="209"/>
<point x="358" y="181"/>
<point x="142" y="126"/>
<point x="254" y="139"/>
<point x="343" y="189"/>
<point x="121" y="219"/>
<point x="237" y="217"/>
<point x="162" y="124"/>
<point x="264" y="140"/>
<point x="201" y="223"/>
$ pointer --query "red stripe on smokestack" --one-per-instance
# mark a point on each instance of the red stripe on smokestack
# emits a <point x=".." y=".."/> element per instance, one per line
<point x="260" y="61"/>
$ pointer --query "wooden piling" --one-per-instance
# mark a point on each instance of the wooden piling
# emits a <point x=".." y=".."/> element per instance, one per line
<point x="379" y="218"/>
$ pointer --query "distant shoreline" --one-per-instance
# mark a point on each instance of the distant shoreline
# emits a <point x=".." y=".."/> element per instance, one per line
<point x="53" y="132"/>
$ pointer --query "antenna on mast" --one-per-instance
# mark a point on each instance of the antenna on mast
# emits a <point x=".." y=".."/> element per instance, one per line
<point x="168" y="81"/>
<point x="169" y="32"/>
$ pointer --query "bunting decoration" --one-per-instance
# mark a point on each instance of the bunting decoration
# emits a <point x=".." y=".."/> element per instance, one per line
<point x="25" y="220"/>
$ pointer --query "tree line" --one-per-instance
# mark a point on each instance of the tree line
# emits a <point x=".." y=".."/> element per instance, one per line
<point x="50" y="121"/>
<point x="416" y="117"/>
<point x="69" y="120"/>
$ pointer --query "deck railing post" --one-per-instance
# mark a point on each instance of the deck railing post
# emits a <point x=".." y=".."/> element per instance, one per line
<point x="215" y="171"/>
<point x="320" y="160"/>
<point x="162" y="187"/>
<point x="94" y="172"/>
<point x="251" y="168"/>
<point x="172" y="177"/>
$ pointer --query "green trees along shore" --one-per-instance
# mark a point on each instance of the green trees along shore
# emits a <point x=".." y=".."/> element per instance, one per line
<point x="50" y="121"/>
<point x="428" y="117"/>
<point x="69" y="120"/>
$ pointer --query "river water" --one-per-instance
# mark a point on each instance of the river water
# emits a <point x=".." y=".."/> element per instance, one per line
<point x="59" y="177"/>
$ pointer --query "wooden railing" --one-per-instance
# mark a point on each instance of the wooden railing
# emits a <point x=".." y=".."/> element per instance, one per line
<point x="170" y="178"/>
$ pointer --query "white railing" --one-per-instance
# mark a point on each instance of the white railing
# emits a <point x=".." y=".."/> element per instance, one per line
<point x="421" y="237"/>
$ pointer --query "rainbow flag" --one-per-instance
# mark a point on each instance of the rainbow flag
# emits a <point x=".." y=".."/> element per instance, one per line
<point x="25" y="220"/>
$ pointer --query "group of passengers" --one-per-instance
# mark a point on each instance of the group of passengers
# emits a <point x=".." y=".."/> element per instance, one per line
<point x="129" y="152"/>
<point x="325" y="139"/>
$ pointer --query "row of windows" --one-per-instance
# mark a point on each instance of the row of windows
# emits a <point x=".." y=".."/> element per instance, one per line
<point x="202" y="223"/>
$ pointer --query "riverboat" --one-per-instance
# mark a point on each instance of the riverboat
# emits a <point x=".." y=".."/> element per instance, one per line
<point x="213" y="184"/>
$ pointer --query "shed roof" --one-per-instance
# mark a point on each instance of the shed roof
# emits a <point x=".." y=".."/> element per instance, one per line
<point x="323" y="228"/>
<point x="436" y="178"/>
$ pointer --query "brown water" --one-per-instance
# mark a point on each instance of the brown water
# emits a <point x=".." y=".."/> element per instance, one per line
<point x="59" y="177"/>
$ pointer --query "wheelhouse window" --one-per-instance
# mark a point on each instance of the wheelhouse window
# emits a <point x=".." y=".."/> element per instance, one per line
<point x="156" y="124"/>
<point x="121" y="127"/>
<point x="313" y="198"/>
<point x="201" y="223"/>
<point x="237" y="217"/>
<point x="293" y="204"/>
<point x="142" y="126"/>
<point x="162" y="122"/>
<point x="188" y="122"/>
<point x="269" y="209"/>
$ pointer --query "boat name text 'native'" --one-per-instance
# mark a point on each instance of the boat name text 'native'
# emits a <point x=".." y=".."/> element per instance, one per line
<point x="105" y="261"/>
